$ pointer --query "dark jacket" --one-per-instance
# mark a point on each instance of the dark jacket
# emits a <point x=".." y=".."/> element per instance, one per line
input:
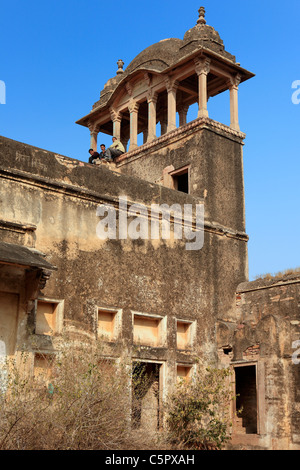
<point x="94" y="157"/>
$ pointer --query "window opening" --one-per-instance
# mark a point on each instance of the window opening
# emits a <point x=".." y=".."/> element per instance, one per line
<point x="180" y="179"/>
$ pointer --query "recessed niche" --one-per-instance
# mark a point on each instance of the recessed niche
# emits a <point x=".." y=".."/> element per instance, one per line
<point x="45" y="318"/>
<point x="148" y="330"/>
<point x="184" y="334"/>
<point x="184" y="372"/>
<point x="108" y="324"/>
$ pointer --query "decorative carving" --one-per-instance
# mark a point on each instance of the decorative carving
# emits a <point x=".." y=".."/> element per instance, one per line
<point x="120" y="65"/>
<point x="148" y="78"/>
<point x="35" y="281"/>
<point x="201" y="20"/>
<point x="129" y="89"/>
<point x="202" y="65"/>
<point x="183" y="108"/>
<point x="45" y="276"/>
<point x="171" y="84"/>
<point x="94" y="128"/>
<point x="234" y="81"/>
<point x="115" y="115"/>
<point x="133" y="106"/>
<point x="152" y="96"/>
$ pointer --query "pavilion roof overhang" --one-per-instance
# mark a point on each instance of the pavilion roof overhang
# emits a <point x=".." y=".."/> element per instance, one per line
<point x="22" y="256"/>
<point x="223" y="67"/>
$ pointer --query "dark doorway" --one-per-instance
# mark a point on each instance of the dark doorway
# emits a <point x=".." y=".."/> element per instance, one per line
<point x="246" y="397"/>
<point x="145" y="395"/>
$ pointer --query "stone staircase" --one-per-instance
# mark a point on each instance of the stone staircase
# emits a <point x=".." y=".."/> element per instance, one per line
<point x="238" y="427"/>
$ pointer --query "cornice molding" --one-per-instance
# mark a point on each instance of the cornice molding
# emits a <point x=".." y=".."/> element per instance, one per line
<point x="193" y="126"/>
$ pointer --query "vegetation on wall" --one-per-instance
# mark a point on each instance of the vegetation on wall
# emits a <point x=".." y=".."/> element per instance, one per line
<point x="198" y="411"/>
<point x="85" y="403"/>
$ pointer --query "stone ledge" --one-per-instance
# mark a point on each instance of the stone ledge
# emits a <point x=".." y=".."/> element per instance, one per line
<point x="180" y="133"/>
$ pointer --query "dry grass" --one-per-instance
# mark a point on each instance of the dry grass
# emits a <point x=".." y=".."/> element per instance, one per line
<point x="84" y="407"/>
<point x="278" y="275"/>
<point x="89" y="403"/>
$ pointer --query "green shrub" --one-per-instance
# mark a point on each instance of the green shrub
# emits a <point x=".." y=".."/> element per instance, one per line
<point x="198" y="411"/>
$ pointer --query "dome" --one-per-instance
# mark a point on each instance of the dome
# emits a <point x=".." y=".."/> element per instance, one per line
<point x="205" y="36"/>
<point x="202" y="32"/>
<point x="156" y="57"/>
<point x="167" y="53"/>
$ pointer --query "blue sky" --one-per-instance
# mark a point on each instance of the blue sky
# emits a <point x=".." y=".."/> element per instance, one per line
<point x="56" y="57"/>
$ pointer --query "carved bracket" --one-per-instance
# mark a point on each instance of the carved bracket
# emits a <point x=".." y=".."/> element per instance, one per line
<point x="115" y="115"/>
<point x="202" y="66"/>
<point x="152" y="96"/>
<point x="133" y="106"/>
<point x="94" y="128"/>
<point x="171" y="84"/>
<point x="129" y="88"/>
<point x="234" y="81"/>
<point x="148" y="78"/>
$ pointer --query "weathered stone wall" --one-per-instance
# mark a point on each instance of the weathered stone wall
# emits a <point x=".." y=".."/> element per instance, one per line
<point x="59" y="197"/>
<point x="215" y="155"/>
<point x="268" y="324"/>
<point x="49" y="203"/>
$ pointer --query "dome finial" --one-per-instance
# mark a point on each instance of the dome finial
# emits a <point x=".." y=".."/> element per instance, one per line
<point x="120" y="65"/>
<point x="201" y="20"/>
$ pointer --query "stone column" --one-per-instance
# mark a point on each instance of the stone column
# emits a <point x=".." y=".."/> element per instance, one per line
<point x="171" y="86"/>
<point x="145" y="135"/>
<point x="182" y="111"/>
<point x="233" y="90"/>
<point x="163" y="115"/>
<point x="152" y="100"/>
<point x="116" y="118"/>
<point x="202" y="69"/>
<point x="164" y="126"/>
<point x="94" y="131"/>
<point x="125" y="143"/>
<point x="133" y="108"/>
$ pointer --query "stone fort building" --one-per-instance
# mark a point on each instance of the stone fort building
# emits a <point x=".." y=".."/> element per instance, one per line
<point x="151" y="299"/>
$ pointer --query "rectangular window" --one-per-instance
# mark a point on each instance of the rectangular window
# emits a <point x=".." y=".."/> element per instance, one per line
<point x="148" y="330"/>
<point x="45" y="318"/>
<point x="108" y="324"/>
<point x="181" y="179"/>
<point x="184" y="334"/>
<point x="184" y="372"/>
<point x="48" y="316"/>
